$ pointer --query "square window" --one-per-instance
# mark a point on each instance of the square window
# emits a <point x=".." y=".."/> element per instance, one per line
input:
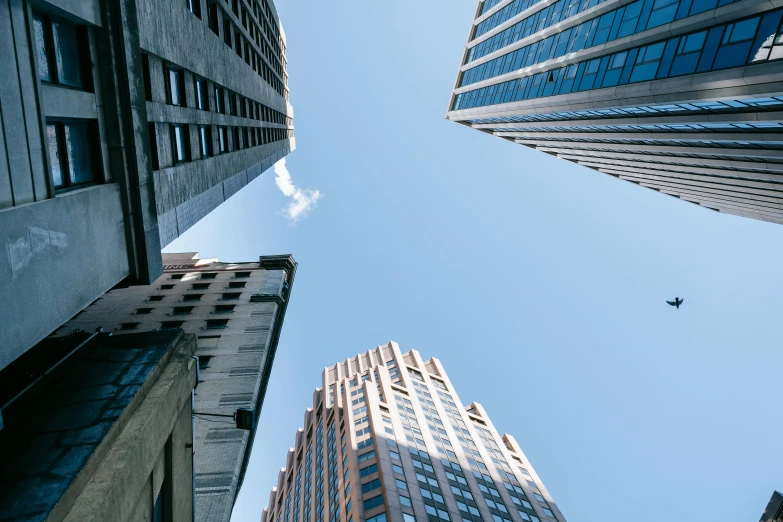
<point x="143" y="311"/>
<point x="62" y="51"/>
<point x="408" y="518"/>
<point x="241" y="274"/>
<point x="231" y="296"/>
<point x="182" y="310"/>
<point x="199" y="286"/>
<point x="192" y="297"/>
<point x="236" y="284"/>
<point x="177" y="276"/>
<point x="405" y="501"/>
<point x="129" y="326"/>
<point x="167" y="325"/>
<point x="209" y="275"/>
<point x="155" y="298"/>
<point x="216" y="323"/>
<point x="224" y="309"/>
<point x="166" y="287"/>
<point x="70" y="154"/>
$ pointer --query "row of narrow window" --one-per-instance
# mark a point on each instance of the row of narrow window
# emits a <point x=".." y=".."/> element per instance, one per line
<point x="222" y="101"/>
<point x="212" y="140"/>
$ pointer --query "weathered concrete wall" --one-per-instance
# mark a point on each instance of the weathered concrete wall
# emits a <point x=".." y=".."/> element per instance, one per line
<point x="59" y="255"/>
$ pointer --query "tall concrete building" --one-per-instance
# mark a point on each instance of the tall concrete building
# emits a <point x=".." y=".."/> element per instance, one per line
<point x="388" y="439"/>
<point x="123" y="124"/>
<point x="681" y="96"/>
<point x="235" y="312"/>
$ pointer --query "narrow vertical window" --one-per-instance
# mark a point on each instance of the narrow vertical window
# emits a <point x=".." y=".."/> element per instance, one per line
<point x="205" y="139"/>
<point x="153" y="146"/>
<point x="145" y="70"/>
<point x="179" y="143"/>
<point x="202" y="100"/>
<point x="222" y="139"/>
<point x="219" y="104"/>
<point x="212" y="13"/>
<point x="176" y="91"/>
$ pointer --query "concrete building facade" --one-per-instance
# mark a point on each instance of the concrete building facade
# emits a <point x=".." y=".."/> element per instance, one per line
<point x="121" y="125"/>
<point x="388" y="439"/>
<point x="681" y="96"/>
<point x="106" y="435"/>
<point x="235" y="311"/>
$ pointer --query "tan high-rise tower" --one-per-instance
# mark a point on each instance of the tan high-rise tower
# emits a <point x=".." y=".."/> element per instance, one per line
<point x="388" y="439"/>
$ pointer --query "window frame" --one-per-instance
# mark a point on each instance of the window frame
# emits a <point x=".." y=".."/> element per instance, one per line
<point x="59" y="125"/>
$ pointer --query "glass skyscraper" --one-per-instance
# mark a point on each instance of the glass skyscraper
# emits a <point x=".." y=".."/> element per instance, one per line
<point x="388" y="440"/>
<point x="681" y="96"/>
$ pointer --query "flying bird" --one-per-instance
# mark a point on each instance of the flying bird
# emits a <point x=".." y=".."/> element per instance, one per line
<point x="676" y="303"/>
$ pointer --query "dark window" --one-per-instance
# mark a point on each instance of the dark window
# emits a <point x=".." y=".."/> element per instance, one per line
<point x="232" y="100"/>
<point x="217" y="323"/>
<point x="243" y="106"/>
<point x="219" y="103"/>
<point x="192" y="297"/>
<point x="175" y="86"/>
<point x="223" y="139"/>
<point x="145" y="69"/>
<point x="203" y="361"/>
<point x="166" y="287"/>
<point x="227" y="32"/>
<point x="238" y="44"/>
<point x="241" y="274"/>
<point x="194" y="6"/>
<point x="200" y="286"/>
<point x="156" y="298"/>
<point x="224" y="309"/>
<point x="182" y="310"/>
<point x="177" y="276"/>
<point x="208" y="275"/>
<point x="165" y="325"/>
<point x="202" y="100"/>
<point x="231" y="295"/>
<point x="180" y="143"/>
<point x="235" y="136"/>
<point x="129" y="326"/>
<point x="63" y="55"/>
<point x="205" y="140"/>
<point x="73" y="160"/>
<point x="212" y="13"/>
<point x="143" y="311"/>
<point x="153" y="146"/>
<point x="236" y="284"/>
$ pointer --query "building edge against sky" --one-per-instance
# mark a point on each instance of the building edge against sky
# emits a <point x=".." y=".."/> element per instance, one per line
<point x="681" y="96"/>
<point x="388" y="438"/>
<point x="123" y="124"/>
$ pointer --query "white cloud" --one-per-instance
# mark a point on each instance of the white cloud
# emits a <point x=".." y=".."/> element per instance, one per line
<point x="302" y="200"/>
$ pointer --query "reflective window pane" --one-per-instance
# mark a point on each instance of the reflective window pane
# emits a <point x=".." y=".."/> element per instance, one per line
<point x="66" y="50"/>
<point x="54" y="155"/>
<point x="77" y="144"/>
<point x="42" y="48"/>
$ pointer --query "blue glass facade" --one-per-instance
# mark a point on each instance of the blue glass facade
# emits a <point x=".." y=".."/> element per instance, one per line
<point x="752" y="40"/>
<point x="633" y="90"/>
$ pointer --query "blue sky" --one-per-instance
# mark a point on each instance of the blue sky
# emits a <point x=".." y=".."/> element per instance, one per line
<point x="494" y="257"/>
